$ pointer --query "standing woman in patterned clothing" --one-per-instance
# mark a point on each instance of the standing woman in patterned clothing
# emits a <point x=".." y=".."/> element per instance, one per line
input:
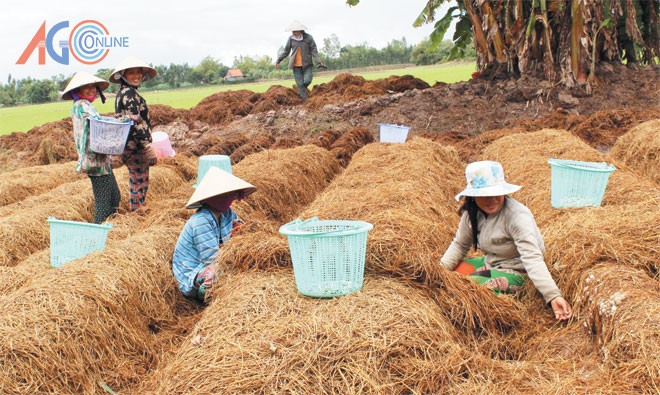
<point x="138" y="154"/>
<point x="84" y="88"/>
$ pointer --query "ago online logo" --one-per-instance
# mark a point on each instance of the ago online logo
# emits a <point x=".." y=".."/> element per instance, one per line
<point x="89" y="42"/>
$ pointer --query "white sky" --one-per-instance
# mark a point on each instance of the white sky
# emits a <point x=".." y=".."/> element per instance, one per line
<point x="174" y="31"/>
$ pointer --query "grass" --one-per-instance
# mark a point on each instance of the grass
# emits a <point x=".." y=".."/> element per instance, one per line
<point x="24" y="118"/>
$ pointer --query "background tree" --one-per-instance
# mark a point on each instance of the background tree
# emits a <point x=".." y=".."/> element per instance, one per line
<point x="210" y="70"/>
<point x="562" y="39"/>
<point x="331" y="46"/>
<point x="41" y="91"/>
<point x="254" y="68"/>
<point x="425" y="53"/>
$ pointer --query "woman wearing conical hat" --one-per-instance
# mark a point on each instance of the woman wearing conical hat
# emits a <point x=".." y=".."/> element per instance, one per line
<point x="138" y="154"/>
<point x="506" y="232"/>
<point x="207" y="230"/>
<point x="83" y="89"/>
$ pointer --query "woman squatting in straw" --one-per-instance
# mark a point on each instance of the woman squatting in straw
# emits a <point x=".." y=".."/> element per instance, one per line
<point x="207" y="230"/>
<point x="506" y="232"/>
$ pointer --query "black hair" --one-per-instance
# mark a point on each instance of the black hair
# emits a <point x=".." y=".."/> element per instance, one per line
<point x="101" y="95"/>
<point x="470" y="205"/>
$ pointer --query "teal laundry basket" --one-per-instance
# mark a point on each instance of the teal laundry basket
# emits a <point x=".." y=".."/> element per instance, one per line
<point x="328" y="255"/>
<point x="205" y="162"/>
<point x="578" y="184"/>
<point x="71" y="240"/>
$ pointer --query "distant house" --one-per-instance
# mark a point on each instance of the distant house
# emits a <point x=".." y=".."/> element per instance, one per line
<point x="234" y="75"/>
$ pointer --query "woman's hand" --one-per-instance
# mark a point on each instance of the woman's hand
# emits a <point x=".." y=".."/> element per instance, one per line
<point x="150" y="155"/>
<point x="561" y="308"/>
<point x="207" y="276"/>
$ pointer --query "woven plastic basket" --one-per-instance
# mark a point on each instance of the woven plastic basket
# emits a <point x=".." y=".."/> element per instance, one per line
<point x="107" y="136"/>
<point x="578" y="184"/>
<point x="207" y="161"/>
<point x="328" y="256"/>
<point x="71" y="240"/>
<point x="393" y="133"/>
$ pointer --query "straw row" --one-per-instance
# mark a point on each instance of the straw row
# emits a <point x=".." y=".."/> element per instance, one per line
<point x="639" y="148"/>
<point x="123" y="226"/>
<point x="287" y="180"/>
<point x="626" y="227"/>
<point x="90" y="320"/>
<point x="625" y="230"/>
<point x="622" y="308"/>
<point x="105" y="318"/>
<point x="24" y="229"/>
<point x="28" y="181"/>
<point x="261" y="336"/>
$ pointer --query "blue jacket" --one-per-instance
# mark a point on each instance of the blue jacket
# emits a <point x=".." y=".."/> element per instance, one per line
<point x="198" y="245"/>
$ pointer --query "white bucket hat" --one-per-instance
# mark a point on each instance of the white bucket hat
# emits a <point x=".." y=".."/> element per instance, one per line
<point x="130" y="63"/>
<point x="218" y="182"/>
<point x="486" y="178"/>
<point x="295" y="26"/>
<point x="82" y="78"/>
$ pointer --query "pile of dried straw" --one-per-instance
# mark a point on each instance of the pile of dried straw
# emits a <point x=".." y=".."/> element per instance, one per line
<point x="640" y="149"/>
<point x="287" y="181"/>
<point x="20" y="184"/>
<point x="90" y="321"/>
<point x="262" y="336"/>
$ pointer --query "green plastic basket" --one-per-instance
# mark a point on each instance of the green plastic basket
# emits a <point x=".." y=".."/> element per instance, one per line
<point x="71" y="240"/>
<point x="328" y="256"/>
<point x="578" y="184"/>
<point x="205" y="162"/>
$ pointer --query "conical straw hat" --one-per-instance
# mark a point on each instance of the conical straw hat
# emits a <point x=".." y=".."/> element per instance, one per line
<point x="295" y="26"/>
<point x="81" y="79"/>
<point x="218" y="182"/>
<point x="130" y="63"/>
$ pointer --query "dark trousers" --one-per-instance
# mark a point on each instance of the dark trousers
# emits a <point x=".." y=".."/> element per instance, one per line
<point x="303" y="77"/>
<point x="106" y="196"/>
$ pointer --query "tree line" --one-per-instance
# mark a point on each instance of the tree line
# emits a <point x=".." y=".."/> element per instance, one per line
<point x="211" y="71"/>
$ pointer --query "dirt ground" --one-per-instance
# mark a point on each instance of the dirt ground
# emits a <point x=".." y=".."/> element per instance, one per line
<point x="466" y="115"/>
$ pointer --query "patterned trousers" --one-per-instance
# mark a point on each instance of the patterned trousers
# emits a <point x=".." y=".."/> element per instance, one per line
<point x="138" y="177"/>
<point x="498" y="280"/>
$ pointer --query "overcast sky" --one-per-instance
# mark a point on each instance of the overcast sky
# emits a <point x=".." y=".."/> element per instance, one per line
<point x="168" y="31"/>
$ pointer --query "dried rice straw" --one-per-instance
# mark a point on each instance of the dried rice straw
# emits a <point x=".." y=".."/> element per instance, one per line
<point x="28" y="181"/>
<point x="639" y="148"/>
<point x="262" y="336"/>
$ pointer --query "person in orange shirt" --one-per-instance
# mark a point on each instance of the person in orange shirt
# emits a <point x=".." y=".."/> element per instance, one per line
<point x="303" y="49"/>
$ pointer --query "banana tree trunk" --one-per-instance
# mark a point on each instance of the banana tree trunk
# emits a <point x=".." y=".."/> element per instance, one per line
<point x="494" y="31"/>
<point x="479" y="36"/>
<point x="579" y="62"/>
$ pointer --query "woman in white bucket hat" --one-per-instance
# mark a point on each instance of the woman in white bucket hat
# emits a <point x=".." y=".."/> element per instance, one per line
<point x="138" y="154"/>
<point x="506" y="232"/>
<point x="83" y="89"/>
<point x="207" y="230"/>
<point x="302" y="48"/>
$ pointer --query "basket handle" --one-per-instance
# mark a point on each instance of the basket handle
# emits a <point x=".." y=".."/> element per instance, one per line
<point x="298" y="222"/>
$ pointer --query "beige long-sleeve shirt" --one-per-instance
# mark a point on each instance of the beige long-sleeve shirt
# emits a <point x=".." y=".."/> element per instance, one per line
<point x="510" y="240"/>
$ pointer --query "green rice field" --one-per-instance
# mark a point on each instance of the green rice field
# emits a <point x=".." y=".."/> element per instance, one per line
<point x="24" y="118"/>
